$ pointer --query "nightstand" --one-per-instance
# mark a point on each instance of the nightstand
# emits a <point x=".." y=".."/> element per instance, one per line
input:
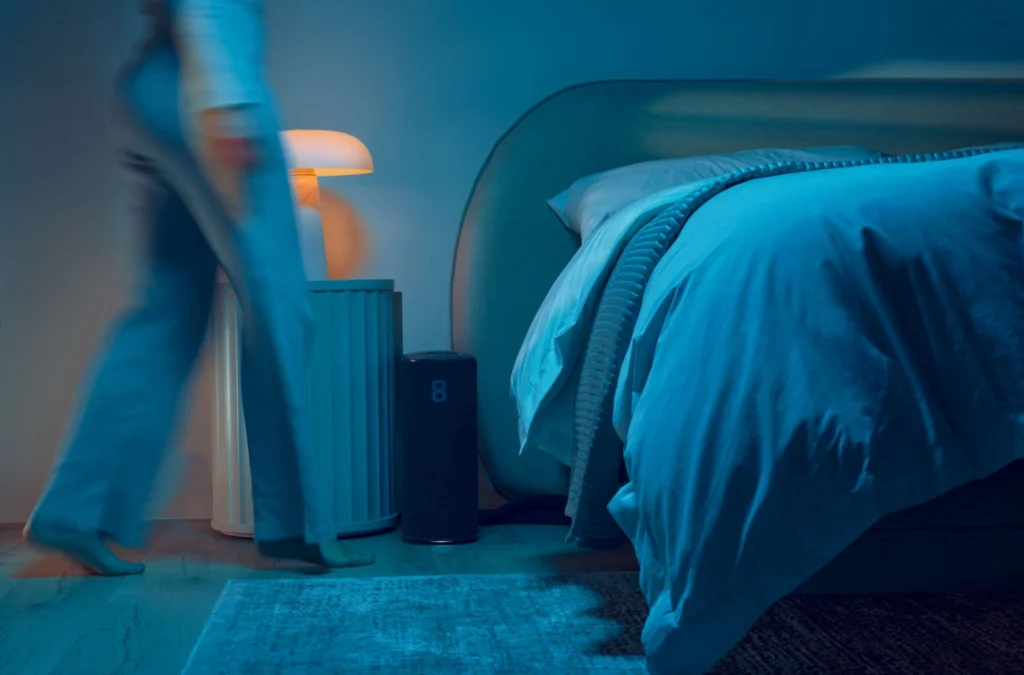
<point x="352" y="392"/>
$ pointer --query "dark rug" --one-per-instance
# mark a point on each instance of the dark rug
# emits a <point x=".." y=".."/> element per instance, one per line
<point x="588" y="623"/>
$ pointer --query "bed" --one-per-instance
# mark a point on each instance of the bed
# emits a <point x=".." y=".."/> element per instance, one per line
<point x="512" y="248"/>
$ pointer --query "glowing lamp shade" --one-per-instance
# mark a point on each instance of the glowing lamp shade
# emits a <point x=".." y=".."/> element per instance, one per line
<point x="310" y="153"/>
<point x="325" y="153"/>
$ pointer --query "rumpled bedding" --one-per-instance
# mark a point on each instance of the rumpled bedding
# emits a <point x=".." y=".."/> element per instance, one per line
<point x="814" y="351"/>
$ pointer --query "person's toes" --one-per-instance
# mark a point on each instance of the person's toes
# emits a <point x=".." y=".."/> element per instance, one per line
<point x="333" y="554"/>
<point x="337" y="554"/>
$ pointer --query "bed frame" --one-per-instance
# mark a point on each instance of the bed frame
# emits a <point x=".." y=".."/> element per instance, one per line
<point x="511" y="248"/>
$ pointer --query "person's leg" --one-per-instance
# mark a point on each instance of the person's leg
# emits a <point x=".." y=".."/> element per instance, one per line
<point x="101" y="486"/>
<point x="260" y="253"/>
<point x="274" y="360"/>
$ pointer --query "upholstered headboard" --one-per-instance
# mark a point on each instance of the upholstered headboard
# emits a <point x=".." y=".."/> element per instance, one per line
<point x="512" y="247"/>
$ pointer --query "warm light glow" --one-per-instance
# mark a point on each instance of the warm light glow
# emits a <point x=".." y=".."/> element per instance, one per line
<point x="345" y="238"/>
<point x="325" y="153"/>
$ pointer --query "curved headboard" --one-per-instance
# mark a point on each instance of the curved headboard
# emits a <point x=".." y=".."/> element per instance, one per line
<point x="512" y="247"/>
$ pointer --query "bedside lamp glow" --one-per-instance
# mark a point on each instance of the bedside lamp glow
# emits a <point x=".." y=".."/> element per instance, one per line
<point x="326" y="153"/>
<point x="309" y="154"/>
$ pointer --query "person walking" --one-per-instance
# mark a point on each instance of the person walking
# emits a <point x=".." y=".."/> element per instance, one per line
<point x="204" y="133"/>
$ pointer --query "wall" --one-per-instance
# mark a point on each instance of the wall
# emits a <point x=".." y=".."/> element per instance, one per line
<point x="429" y="86"/>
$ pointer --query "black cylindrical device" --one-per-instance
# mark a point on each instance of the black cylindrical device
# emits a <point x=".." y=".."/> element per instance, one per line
<point x="438" y="446"/>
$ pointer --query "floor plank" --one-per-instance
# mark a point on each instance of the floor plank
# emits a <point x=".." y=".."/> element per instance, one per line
<point x="57" y="620"/>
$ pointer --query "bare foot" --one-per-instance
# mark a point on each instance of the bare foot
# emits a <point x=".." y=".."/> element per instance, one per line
<point x="332" y="553"/>
<point x="85" y="548"/>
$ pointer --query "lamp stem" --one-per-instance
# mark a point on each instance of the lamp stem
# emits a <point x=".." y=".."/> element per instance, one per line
<point x="310" y="224"/>
<point x="307" y="190"/>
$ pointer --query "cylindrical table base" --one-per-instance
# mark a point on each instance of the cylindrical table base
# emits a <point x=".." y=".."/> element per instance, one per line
<point x="352" y="394"/>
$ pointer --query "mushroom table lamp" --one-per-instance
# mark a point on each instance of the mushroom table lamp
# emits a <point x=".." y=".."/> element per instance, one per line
<point x="312" y="153"/>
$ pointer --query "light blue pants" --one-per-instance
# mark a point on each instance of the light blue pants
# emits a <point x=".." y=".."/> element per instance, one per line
<point x="105" y="477"/>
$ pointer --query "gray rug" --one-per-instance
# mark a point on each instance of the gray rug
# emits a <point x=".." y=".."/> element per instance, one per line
<point x="591" y="623"/>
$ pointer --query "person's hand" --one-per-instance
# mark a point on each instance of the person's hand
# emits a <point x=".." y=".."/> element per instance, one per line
<point x="226" y="141"/>
<point x="227" y="151"/>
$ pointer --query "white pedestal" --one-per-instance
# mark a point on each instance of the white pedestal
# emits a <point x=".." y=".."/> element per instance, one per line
<point x="353" y="406"/>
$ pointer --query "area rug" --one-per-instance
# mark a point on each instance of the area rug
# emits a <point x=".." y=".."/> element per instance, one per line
<point x="588" y="623"/>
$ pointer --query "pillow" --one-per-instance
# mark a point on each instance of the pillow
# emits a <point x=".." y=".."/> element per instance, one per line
<point x="590" y="201"/>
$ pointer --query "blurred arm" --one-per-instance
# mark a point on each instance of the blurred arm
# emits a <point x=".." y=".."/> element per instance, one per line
<point x="220" y="42"/>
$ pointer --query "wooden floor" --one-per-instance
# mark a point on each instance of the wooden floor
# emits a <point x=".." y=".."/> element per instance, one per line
<point x="55" y="619"/>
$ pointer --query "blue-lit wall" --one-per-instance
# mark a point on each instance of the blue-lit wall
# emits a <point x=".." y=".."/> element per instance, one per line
<point x="429" y="85"/>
